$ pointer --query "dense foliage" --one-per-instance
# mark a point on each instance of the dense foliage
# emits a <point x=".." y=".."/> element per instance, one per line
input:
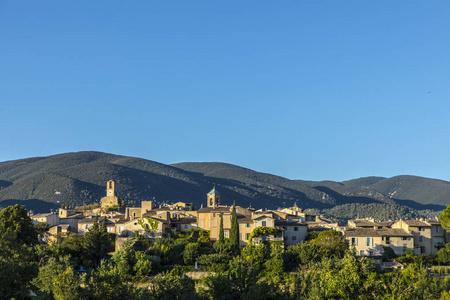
<point x="81" y="267"/>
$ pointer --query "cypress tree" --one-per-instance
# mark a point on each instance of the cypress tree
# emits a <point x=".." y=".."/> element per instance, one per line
<point x="234" y="234"/>
<point x="104" y="240"/>
<point x="104" y="229"/>
<point x="221" y="235"/>
<point x="95" y="228"/>
<point x="94" y="243"/>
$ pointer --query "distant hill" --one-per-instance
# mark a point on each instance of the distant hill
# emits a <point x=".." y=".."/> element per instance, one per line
<point x="413" y="191"/>
<point x="364" y="181"/>
<point x="42" y="183"/>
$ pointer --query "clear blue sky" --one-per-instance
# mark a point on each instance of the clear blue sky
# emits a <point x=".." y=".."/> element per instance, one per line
<point x="302" y="89"/>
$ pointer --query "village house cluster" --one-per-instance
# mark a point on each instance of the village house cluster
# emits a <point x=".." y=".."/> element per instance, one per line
<point x="367" y="236"/>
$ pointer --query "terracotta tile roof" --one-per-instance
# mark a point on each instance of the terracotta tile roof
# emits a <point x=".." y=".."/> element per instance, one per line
<point x="41" y="215"/>
<point x="90" y="220"/>
<point x="433" y="222"/>
<point x="369" y="232"/>
<point x="150" y="213"/>
<point x="288" y="223"/>
<point x="416" y="223"/>
<point x="214" y="209"/>
<point x="76" y="216"/>
<point x="263" y="216"/>
<point x="244" y="219"/>
<point x="184" y="221"/>
<point x="122" y="221"/>
<point x="367" y="223"/>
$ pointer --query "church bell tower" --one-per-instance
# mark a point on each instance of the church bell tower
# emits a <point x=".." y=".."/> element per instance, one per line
<point x="213" y="198"/>
<point x="110" y="192"/>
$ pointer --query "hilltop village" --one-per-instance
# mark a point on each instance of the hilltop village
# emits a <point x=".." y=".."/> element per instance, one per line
<point x="290" y="226"/>
<point x="107" y="250"/>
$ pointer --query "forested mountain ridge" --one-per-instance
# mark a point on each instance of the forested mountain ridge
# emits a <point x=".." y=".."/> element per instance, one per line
<point x="46" y="182"/>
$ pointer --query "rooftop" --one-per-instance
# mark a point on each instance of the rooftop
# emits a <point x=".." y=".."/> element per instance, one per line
<point x="214" y="209"/>
<point x="214" y="191"/>
<point x="288" y="223"/>
<point x="370" y="232"/>
<point x="416" y="223"/>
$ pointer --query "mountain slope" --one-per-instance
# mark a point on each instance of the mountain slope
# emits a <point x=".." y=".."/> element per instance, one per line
<point x="81" y="177"/>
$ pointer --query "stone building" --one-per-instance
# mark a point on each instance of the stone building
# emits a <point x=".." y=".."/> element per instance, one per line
<point x="111" y="196"/>
<point x="49" y="218"/>
<point x="370" y="241"/>
<point x="429" y="236"/>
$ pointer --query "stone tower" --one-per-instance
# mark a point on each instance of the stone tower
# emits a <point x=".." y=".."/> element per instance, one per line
<point x="213" y="198"/>
<point x="110" y="199"/>
<point x="110" y="192"/>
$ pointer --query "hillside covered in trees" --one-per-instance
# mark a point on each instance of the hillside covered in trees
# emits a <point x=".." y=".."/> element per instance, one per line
<point x="41" y="183"/>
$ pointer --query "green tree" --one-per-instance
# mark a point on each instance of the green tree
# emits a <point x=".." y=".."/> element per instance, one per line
<point x="191" y="207"/>
<point x="171" y="286"/>
<point x="17" y="260"/>
<point x="388" y="254"/>
<point x="443" y="255"/>
<point x="332" y="240"/>
<point x="41" y="229"/>
<point x="445" y="218"/>
<point x="15" y="224"/>
<point x="190" y="253"/>
<point x="234" y="234"/>
<point x="66" y="285"/>
<point x="44" y="280"/>
<point x="143" y="266"/>
<point x="17" y="268"/>
<point x="67" y="204"/>
<point x="221" y="233"/>
<point x="97" y="242"/>
<point x="106" y="282"/>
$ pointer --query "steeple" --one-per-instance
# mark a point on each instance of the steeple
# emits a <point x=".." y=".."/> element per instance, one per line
<point x="213" y="198"/>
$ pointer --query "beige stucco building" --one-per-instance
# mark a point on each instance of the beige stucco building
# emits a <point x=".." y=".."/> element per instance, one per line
<point x="429" y="236"/>
<point x="370" y="241"/>
<point x="49" y="218"/>
<point x="70" y="217"/>
<point x="208" y="218"/>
